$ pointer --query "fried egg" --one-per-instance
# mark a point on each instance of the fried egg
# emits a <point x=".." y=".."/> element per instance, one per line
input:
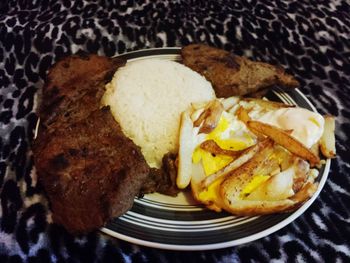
<point x="232" y="134"/>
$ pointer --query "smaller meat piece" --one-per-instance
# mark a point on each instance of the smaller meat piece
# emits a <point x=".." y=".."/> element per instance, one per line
<point x="163" y="180"/>
<point x="232" y="75"/>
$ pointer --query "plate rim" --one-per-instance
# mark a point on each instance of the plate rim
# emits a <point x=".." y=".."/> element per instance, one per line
<point x="219" y="245"/>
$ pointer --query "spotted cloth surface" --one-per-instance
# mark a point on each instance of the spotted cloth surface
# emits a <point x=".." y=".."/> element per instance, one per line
<point x="309" y="38"/>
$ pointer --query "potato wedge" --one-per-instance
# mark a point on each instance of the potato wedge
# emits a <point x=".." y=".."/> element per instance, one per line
<point x="228" y="103"/>
<point x="243" y="158"/>
<point x="327" y="141"/>
<point x="243" y="115"/>
<point x="212" y="147"/>
<point x="269" y="105"/>
<point x="210" y="117"/>
<point x="315" y="149"/>
<point x="256" y="207"/>
<point x="253" y="207"/>
<point x="186" y="147"/>
<point x="196" y="179"/>
<point x="284" y="139"/>
<point x="305" y="193"/>
<point x="277" y="187"/>
<point x="301" y="168"/>
<point x="234" y="183"/>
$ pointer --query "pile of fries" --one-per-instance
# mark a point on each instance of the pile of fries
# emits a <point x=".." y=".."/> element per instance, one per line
<point x="274" y="174"/>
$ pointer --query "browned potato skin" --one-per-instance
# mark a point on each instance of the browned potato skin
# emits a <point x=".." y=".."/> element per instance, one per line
<point x="212" y="147"/>
<point x="284" y="139"/>
<point x="210" y="117"/>
<point x="268" y="104"/>
<point x="272" y="141"/>
<point x="243" y="158"/>
<point x="231" y="185"/>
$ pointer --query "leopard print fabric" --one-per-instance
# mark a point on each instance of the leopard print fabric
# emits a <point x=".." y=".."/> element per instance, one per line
<point x="309" y="38"/>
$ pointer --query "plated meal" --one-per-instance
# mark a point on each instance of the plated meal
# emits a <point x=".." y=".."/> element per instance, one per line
<point x="111" y="130"/>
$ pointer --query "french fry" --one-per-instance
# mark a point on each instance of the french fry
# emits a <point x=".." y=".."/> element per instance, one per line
<point x="301" y="168"/>
<point x="229" y="102"/>
<point x="284" y="139"/>
<point x="327" y="141"/>
<point x="243" y="116"/>
<point x="243" y="158"/>
<point x="210" y="117"/>
<point x="269" y="105"/>
<point x="212" y="147"/>
<point x="186" y="148"/>
<point x="239" y="177"/>
<point x="271" y="176"/>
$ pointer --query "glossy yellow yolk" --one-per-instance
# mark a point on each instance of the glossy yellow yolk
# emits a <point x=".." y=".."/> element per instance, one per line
<point x="253" y="184"/>
<point x="210" y="196"/>
<point x="224" y="136"/>
<point x="213" y="163"/>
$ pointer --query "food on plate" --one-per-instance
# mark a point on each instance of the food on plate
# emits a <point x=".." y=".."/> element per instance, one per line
<point x="162" y="180"/>
<point x="284" y="139"/>
<point x="90" y="170"/>
<point x="64" y="99"/>
<point x="232" y="75"/>
<point x="147" y="97"/>
<point x="256" y="159"/>
<point x="327" y="142"/>
<point x="111" y="130"/>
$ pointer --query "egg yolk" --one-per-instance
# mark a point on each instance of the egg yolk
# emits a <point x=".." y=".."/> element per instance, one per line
<point x="214" y="162"/>
<point x="210" y="195"/>
<point x="253" y="184"/>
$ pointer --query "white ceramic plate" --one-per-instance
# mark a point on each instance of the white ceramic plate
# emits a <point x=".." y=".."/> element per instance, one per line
<point x="180" y="223"/>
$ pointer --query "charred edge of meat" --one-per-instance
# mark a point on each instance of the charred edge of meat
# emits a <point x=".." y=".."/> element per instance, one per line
<point x="162" y="180"/>
<point x="229" y="61"/>
<point x="59" y="162"/>
<point x="82" y="54"/>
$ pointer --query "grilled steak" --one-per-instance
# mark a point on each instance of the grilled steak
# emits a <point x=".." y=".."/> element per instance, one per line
<point x="90" y="170"/>
<point x="232" y="75"/>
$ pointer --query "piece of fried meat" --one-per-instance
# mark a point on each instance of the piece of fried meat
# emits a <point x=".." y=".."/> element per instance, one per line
<point x="232" y="75"/>
<point x="90" y="170"/>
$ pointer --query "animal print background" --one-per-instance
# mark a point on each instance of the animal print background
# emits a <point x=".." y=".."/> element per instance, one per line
<point x="311" y="39"/>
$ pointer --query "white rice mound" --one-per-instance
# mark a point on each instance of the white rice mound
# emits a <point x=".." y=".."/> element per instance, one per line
<point x="147" y="97"/>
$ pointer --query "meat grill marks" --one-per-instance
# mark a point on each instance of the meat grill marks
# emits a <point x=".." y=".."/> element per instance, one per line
<point x="90" y="170"/>
<point x="233" y="75"/>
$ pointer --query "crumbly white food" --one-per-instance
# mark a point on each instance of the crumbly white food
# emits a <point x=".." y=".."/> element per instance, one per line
<point x="147" y="97"/>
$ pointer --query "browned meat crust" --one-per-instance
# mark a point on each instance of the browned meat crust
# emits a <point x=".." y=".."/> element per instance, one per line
<point x="232" y="75"/>
<point x="90" y="170"/>
<point x="163" y="180"/>
<point x="74" y="88"/>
